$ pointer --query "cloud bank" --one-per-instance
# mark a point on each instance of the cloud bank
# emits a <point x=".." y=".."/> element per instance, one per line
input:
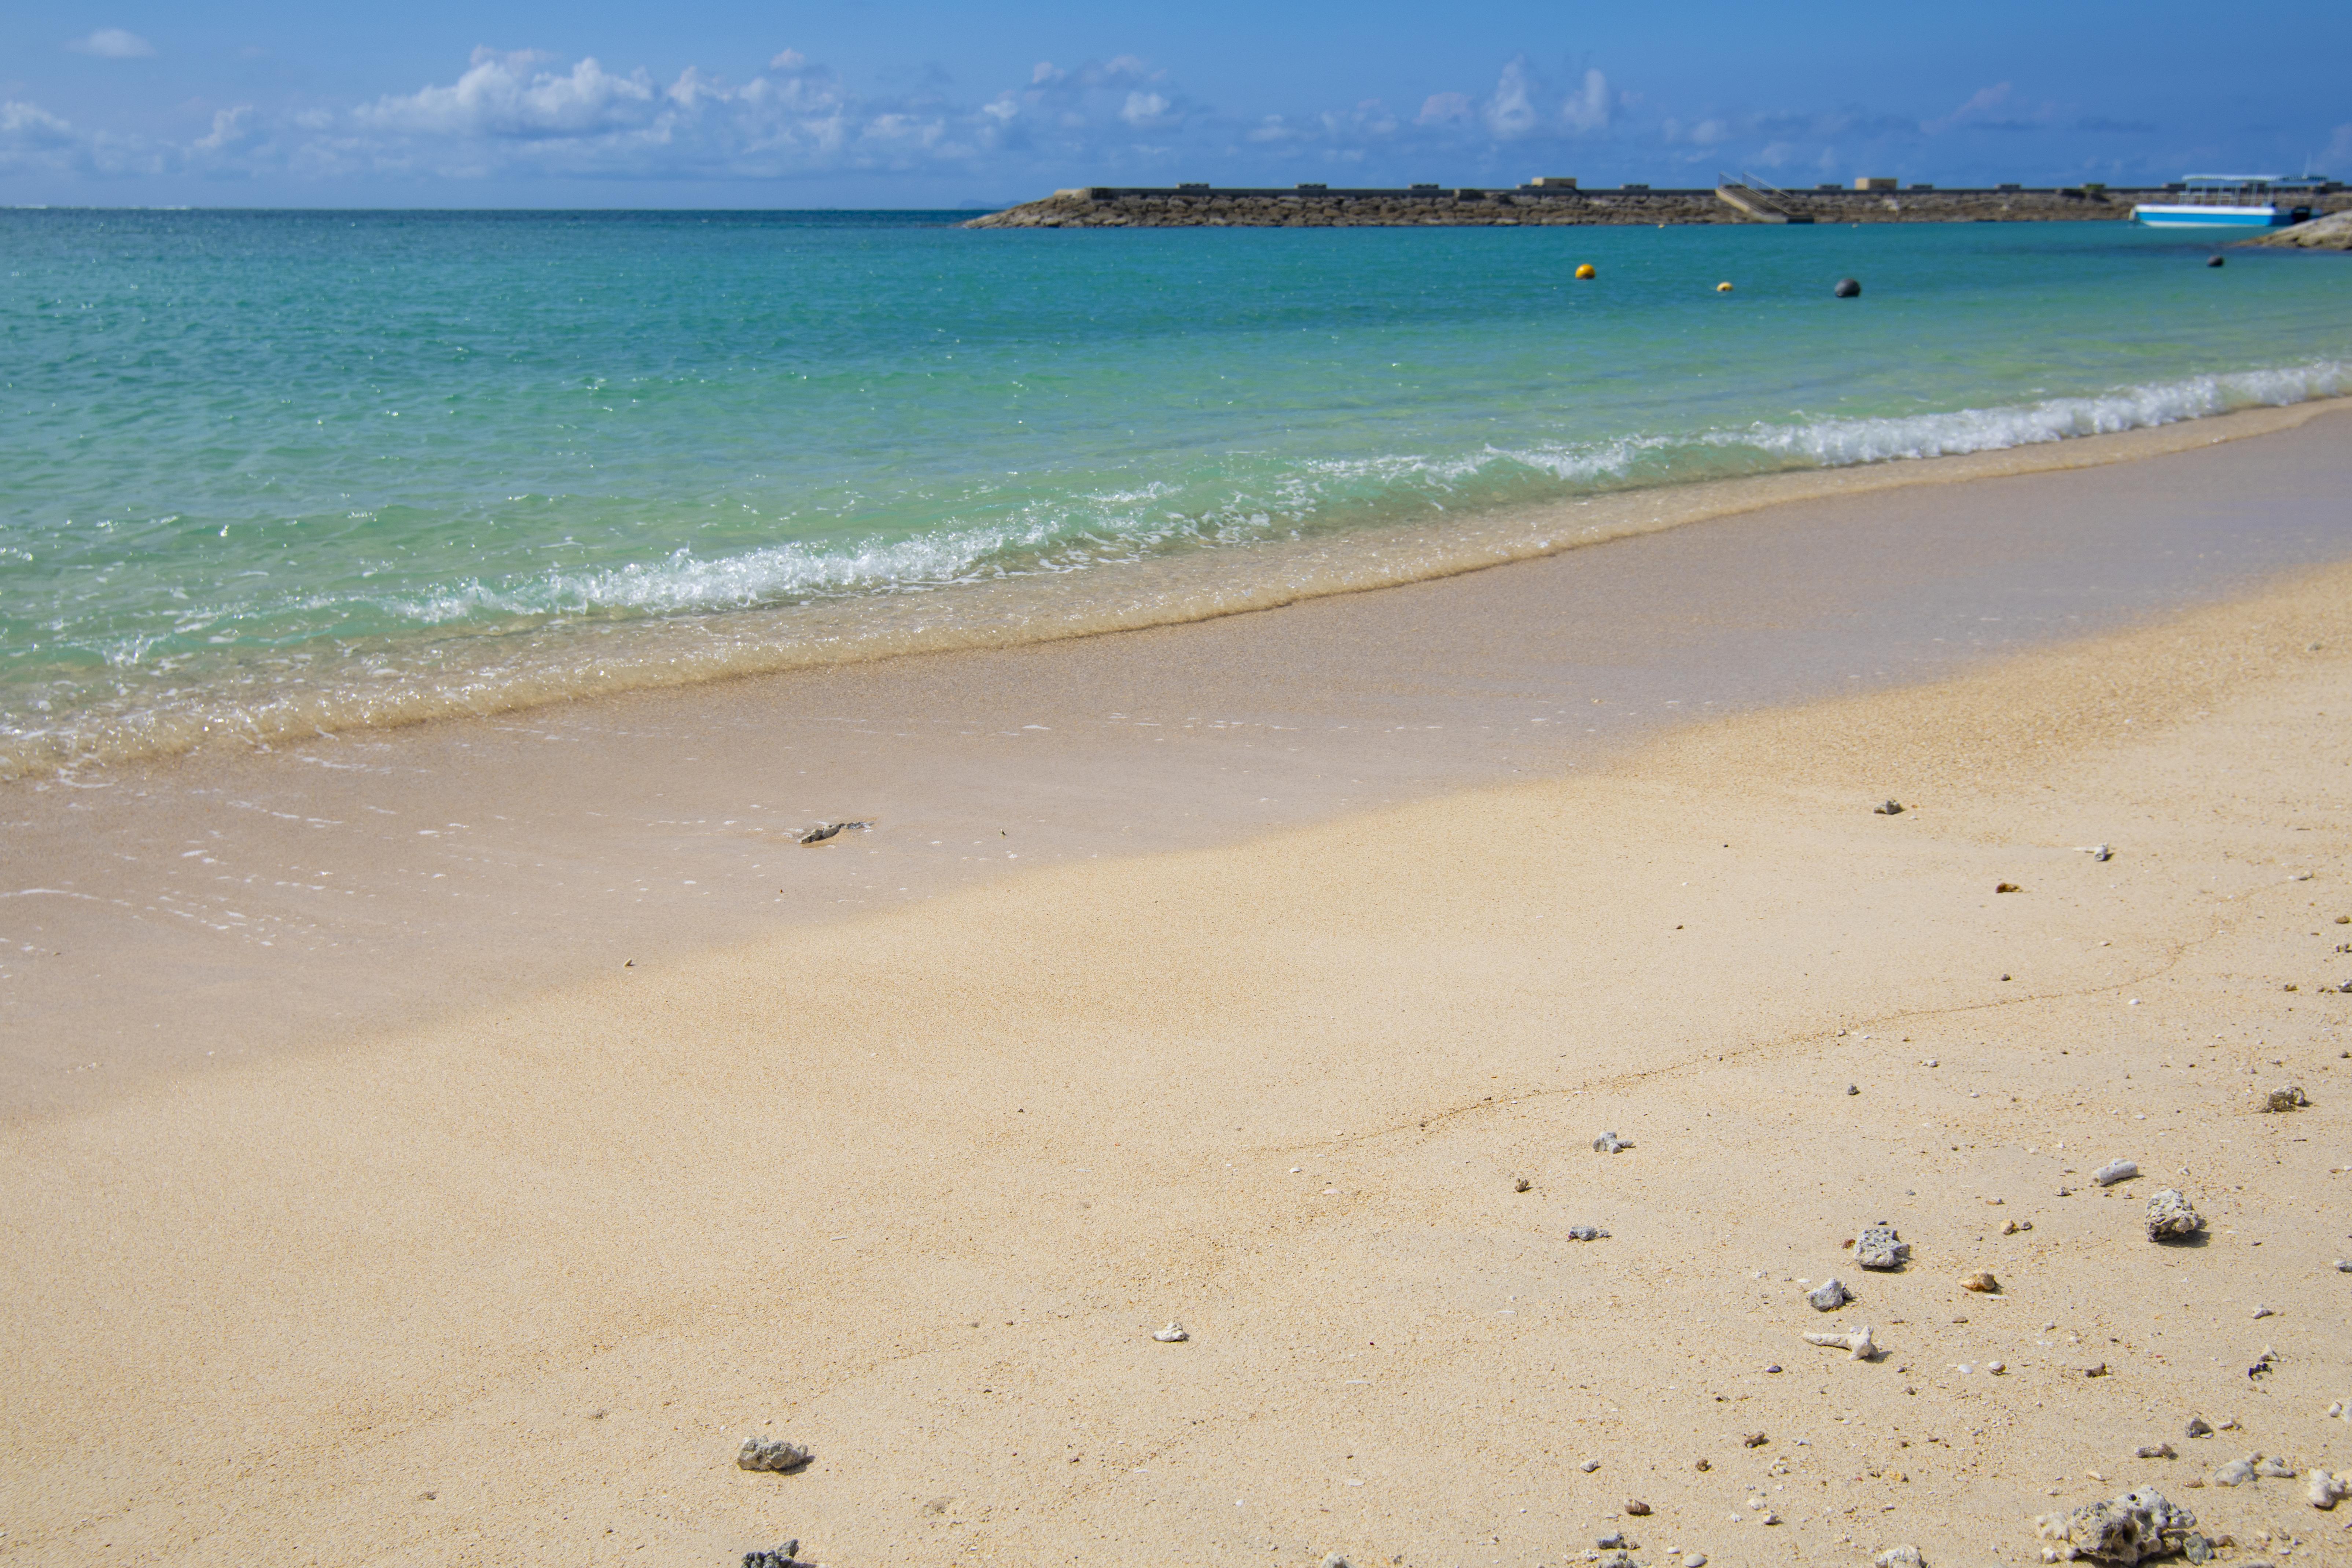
<point x="512" y="116"/>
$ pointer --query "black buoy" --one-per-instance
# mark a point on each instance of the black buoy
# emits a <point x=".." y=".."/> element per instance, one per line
<point x="1847" y="288"/>
<point x="2215" y="260"/>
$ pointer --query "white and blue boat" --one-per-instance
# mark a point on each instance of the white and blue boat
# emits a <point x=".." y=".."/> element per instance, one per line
<point x="2231" y="202"/>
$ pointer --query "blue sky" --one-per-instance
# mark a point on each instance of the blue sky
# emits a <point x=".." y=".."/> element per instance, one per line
<point x="912" y="103"/>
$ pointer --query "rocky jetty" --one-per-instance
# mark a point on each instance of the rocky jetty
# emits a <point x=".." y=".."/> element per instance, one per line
<point x="1111" y="207"/>
<point x="2331" y="232"/>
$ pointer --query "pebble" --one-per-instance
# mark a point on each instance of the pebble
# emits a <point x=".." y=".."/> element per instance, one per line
<point x="2097" y="1370"/>
<point x="2154" y="1451"/>
<point x="771" y="1453"/>
<point x="1585" y="1232"/>
<point x="1333" y="1559"/>
<point x="1175" y="1334"/>
<point x="1889" y="808"/>
<point x="2265" y="1313"/>
<point x="2010" y="1227"/>
<point x="1996" y="1367"/>
<point x="2276" y="1469"/>
<point x="1693" y="1560"/>
<point x="2170" y="1215"/>
<point x="2114" y="1170"/>
<point x="1879" y="1247"/>
<point x="1520" y="1184"/>
<point x="2236" y="1473"/>
<point x="2344" y="1266"/>
<point x="1609" y="1143"/>
<point x="1982" y="1282"/>
<point x="1900" y="1557"/>
<point x="2199" y="1427"/>
<point x="1589" y="1466"/>
<point x="2289" y="1097"/>
<point x="1858" y="1344"/>
<point x="1853" y="1088"/>
<point x="1828" y="1296"/>
<point x="1636" y="1507"/>
<point x="785" y="1556"/>
<point x="1753" y="1439"/>
<point x="2324" y="1492"/>
<point x="1613" y="1541"/>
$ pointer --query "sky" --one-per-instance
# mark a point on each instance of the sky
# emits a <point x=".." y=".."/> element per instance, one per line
<point x="915" y="103"/>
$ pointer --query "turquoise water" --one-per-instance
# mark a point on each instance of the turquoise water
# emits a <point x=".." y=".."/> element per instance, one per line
<point x="265" y="471"/>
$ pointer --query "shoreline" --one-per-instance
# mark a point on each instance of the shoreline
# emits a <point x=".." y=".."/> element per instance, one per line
<point x="375" y="881"/>
<point x="565" y="663"/>
<point x="915" y="1188"/>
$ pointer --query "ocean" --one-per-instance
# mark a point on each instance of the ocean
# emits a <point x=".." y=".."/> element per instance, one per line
<point x="267" y="474"/>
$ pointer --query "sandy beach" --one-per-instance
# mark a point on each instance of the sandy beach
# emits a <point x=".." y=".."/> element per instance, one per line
<point x="481" y="1225"/>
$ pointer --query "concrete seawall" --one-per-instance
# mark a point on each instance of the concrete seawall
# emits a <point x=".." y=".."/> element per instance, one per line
<point x="1110" y="206"/>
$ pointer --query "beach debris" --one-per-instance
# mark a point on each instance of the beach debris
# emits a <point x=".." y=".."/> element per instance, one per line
<point x="2265" y="1312"/>
<point x="1702" y="1466"/>
<point x="2170" y="1214"/>
<point x="771" y="1453"/>
<point x="2010" y="1227"/>
<point x="1828" y="1296"/>
<point x="1857" y="1344"/>
<point x="1614" y="1541"/>
<point x="1610" y="1143"/>
<point x="1850" y="288"/>
<point x="1333" y="1559"/>
<point x="1589" y="1466"/>
<point x="785" y="1556"/>
<point x="2236" y="1473"/>
<point x="2287" y="1096"/>
<point x="1636" y="1507"/>
<point x="1753" y="1439"/>
<point x="2154" y="1451"/>
<point x="1693" y="1560"/>
<point x="1899" y="1557"/>
<point x="2199" y="1427"/>
<point x="1890" y="807"/>
<point x="1617" y="1559"/>
<point x="1521" y="1184"/>
<point x="2275" y="1469"/>
<point x="2129" y="1529"/>
<point x="1996" y="1367"/>
<point x="2197" y="1549"/>
<point x="2007" y="888"/>
<point x="825" y="832"/>
<point x="2344" y="1266"/>
<point x="2097" y="851"/>
<point x="1879" y="1247"/>
<point x="2262" y="1367"/>
<point x="2324" y="1492"/>
<point x="1585" y="1232"/>
<point x="2172" y="1217"/>
<point x="1982" y="1282"/>
<point x="1175" y="1334"/>
<point x="2114" y="1170"/>
<point x="1853" y="1088"/>
<point x="2097" y="1369"/>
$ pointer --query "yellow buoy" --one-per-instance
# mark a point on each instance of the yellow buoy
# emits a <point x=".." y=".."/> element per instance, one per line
<point x="1586" y="271"/>
<point x="1723" y="287"/>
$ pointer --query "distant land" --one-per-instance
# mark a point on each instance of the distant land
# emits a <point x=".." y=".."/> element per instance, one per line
<point x="1558" y="200"/>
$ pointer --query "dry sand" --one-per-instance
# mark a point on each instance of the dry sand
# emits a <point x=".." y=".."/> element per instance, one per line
<point x="916" y="1187"/>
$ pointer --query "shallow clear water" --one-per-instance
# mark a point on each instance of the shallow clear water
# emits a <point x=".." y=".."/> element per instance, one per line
<point x="258" y="461"/>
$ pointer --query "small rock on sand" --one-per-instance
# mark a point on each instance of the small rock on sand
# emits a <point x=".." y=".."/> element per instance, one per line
<point x="1693" y="1560"/>
<point x="1900" y="1557"/>
<point x="1878" y="1246"/>
<point x="1828" y="1296"/>
<point x="2275" y="1469"/>
<point x="1175" y="1334"/>
<point x="2154" y="1451"/>
<point x="1589" y="1466"/>
<point x="2289" y="1097"/>
<point x="2128" y="1529"/>
<point x="2114" y="1170"/>
<point x="1333" y="1559"/>
<point x="785" y="1556"/>
<point x="2236" y="1473"/>
<point x="1888" y="808"/>
<point x="1585" y="1232"/>
<point x="1982" y="1282"/>
<point x="2170" y="1214"/>
<point x="1610" y="1143"/>
<point x="771" y="1453"/>
<point x="1753" y="1440"/>
<point x="1636" y="1507"/>
<point x="2199" y="1427"/>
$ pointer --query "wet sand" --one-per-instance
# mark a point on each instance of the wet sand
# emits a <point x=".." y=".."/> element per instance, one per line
<point x="166" y="916"/>
<point x="911" y="1179"/>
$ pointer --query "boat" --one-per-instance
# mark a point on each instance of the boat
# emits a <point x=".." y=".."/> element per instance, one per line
<point x="2232" y="201"/>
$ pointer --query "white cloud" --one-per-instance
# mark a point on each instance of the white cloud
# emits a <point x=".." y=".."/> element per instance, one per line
<point x="500" y="96"/>
<point x="1443" y="109"/>
<point x="112" y="44"/>
<point x="228" y="126"/>
<point x="1586" y="109"/>
<point x="1143" y="109"/>
<point x="1510" y="113"/>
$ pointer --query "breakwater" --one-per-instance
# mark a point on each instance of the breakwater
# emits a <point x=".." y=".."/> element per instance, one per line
<point x="1310" y="206"/>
